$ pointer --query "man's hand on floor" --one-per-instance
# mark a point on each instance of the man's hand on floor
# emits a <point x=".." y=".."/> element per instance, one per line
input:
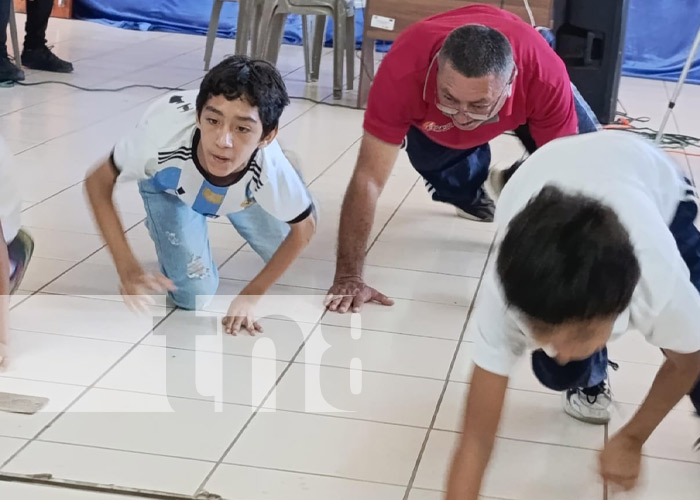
<point x="351" y="294"/>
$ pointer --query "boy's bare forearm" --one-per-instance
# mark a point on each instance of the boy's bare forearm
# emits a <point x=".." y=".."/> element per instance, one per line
<point x="675" y="379"/>
<point x="481" y="418"/>
<point x="100" y="188"/>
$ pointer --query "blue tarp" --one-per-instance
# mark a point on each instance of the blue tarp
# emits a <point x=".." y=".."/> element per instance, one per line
<point x="659" y="36"/>
<point x="659" y="32"/>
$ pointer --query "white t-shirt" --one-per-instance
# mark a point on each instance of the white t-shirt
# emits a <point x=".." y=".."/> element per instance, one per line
<point x="10" y="201"/>
<point x="163" y="148"/>
<point x="644" y="187"/>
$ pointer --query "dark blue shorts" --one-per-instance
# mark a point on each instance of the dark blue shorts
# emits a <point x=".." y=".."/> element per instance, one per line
<point x="456" y="176"/>
<point x="590" y="372"/>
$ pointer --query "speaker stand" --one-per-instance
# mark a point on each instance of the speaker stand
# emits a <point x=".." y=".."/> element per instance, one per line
<point x="679" y="86"/>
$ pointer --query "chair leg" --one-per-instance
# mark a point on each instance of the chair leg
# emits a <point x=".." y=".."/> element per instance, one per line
<point x="256" y="19"/>
<point x="267" y="15"/>
<point x="366" y="71"/>
<point x="350" y="51"/>
<point x="306" y="45"/>
<point x="274" y="40"/>
<point x="211" y="33"/>
<point x="319" y="38"/>
<point x="243" y="25"/>
<point x="15" y="36"/>
<point x="338" y="53"/>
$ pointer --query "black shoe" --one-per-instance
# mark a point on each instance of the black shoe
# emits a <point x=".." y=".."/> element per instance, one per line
<point x="481" y="210"/>
<point x="45" y="60"/>
<point x="9" y="72"/>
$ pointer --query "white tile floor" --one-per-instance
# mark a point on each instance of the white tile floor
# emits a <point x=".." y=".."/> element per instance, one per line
<point x="176" y="408"/>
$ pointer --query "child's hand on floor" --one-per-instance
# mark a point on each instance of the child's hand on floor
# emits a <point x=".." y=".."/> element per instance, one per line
<point x="137" y="285"/>
<point x="240" y="314"/>
<point x="620" y="462"/>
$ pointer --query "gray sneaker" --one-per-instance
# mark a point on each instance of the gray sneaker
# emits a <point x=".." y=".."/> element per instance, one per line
<point x="590" y="405"/>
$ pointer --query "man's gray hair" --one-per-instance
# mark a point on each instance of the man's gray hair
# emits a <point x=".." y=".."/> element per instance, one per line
<point x="476" y="51"/>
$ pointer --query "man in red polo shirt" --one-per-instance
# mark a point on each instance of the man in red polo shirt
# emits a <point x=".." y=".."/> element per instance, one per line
<point x="450" y="84"/>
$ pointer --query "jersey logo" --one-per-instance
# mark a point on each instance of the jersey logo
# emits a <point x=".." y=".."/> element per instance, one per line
<point x="434" y="127"/>
<point x="209" y="199"/>
<point x="212" y="197"/>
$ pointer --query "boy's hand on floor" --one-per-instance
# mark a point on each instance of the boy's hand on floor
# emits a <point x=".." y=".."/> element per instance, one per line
<point x="137" y="285"/>
<point x="240" y="315"/>
<point x="620" y="461"/>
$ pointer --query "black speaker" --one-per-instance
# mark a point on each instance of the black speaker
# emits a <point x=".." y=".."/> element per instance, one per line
<point x="590" y="35"/>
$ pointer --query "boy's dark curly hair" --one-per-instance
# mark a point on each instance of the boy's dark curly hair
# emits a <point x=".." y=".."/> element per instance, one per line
<point x="257" y="82"/>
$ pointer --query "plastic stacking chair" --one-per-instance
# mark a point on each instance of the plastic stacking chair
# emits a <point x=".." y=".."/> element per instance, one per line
<point x="247" y="26"/>
<point x="274" y="16"/>
<point x="14" y="35"/>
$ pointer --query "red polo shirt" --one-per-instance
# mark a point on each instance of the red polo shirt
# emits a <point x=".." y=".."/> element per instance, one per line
<point x="541" y="95"/>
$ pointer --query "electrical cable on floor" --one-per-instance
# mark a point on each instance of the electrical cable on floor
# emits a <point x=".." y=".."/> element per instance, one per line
<point x="626" y="122"/>
<point x="171" y="89"/>
<point x="623" y="122"/>
<point x="86" y="89"/>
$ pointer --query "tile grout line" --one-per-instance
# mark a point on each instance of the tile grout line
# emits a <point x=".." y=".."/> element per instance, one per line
<point x="85" y="391"/>
<point x="284" y="372"/>
<point x="256" y="410"/>
<point x="333" y="162"/>
<point x="383" y="266"/>
<point x="93" y="297"/>
<point x="606" y="431"/>
<point x="72" y="90"/>
<point x="294" y="363"/>
<point x="424" y="445"/>
<point x="391" y="217"/>
<point x="76" y="264"/>
<point x="108" y="490"/>
<point x="315" y="474"/>
<point x="91" y="124"/>
<point x="121" y="450"/>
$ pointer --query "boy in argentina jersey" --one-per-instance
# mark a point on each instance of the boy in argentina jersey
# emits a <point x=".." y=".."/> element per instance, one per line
<point x="208" y="154"/>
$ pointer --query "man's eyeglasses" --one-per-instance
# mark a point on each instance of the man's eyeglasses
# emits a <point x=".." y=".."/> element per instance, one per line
<point x="492" y="110"/>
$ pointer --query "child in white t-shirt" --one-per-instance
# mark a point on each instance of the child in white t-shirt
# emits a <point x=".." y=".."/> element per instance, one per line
<point x="16" y="246"/>
<point x="596" y="237"/>
<point x="207" y="154"/>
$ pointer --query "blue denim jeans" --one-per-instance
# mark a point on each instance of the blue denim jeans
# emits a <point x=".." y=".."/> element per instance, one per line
<point x="182" y="242"/>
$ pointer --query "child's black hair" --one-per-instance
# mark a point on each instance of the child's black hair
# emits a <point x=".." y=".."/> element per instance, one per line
<point x="256" y="81"/>
<point x="566" y="257"/>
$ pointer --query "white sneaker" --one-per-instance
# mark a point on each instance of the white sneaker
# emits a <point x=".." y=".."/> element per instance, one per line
<point x="495" y="182"/>
<point x="590" y="408"/>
